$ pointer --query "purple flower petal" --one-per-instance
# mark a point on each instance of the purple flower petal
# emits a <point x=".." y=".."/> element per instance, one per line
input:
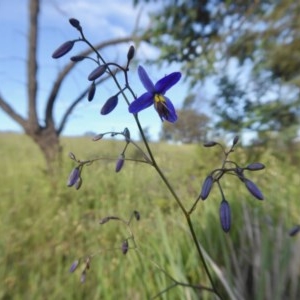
<point x="167" y="82"/>
<point x="146" y="81"/>
<point x="141" y="103"/>
<point x="172" y="116"/>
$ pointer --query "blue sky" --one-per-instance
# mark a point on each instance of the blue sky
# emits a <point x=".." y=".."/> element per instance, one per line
<point x="101" y="20"/>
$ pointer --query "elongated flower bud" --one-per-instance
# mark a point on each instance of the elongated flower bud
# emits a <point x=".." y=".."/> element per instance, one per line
<point x="74" y="266"/>
<point x="98" y="72"/>
<point x="255" y="166"/>
<point x="125" y="247"/>
<point x="253" y="189"/>
<point x="78" y="183"/>
<point x="126" y="133"/>
<point x="137" y="215"/>
<point x="83" y="276"/>
<point x="98" y="137"/>
<point x="225" y="215"/>
<point x="92" y="91"/>
<point x="210" y="144"/>
<point x="75" y="23"/>
<point x="63" y="49"/>
<point x="73" y="177"/>
<point x="294" y="230"/>
<point x="120" y="162"/>
<point x="206" y="187"/>
<point x="130" y="53"/>
<point x="109" y="105"/>
<point x="77" y="58"/>
<point x="235" y="140"/>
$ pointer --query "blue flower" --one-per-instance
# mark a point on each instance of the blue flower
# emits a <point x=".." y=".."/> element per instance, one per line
<point x="156" y="95"/>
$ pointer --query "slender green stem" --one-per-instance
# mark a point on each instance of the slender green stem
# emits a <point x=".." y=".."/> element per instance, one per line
<point x="178" y="201"/>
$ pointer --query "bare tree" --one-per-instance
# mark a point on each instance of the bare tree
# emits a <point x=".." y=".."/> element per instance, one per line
<point x="46" y="136"/>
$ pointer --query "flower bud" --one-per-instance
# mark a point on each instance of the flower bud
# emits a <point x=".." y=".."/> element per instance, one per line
<point x="78" y="183"/>
<point x="98" y="72"/>
<point x="137" y="215"/>
<point x="235" y="140"/>
<point x="77" y="58"/>
<point x="63" y="49"/>
<point x="73" y="177"/>
<point x="210" y="144"/>
<point x="126" y="133"/>
<point x="120" y="163"/>
<point x="104" y="220"/>
<point x="294" y="230"/>
<point x="253" y="189"/>
<point x="255" y="166"/>
<point x="74" y="266"/>
<point x="130" y="53"/>
<point x="109" y="105"/>
<point x="125" y="247"/>
<point x="92" y="91"/>
<point x="98" y="137"/>
<point x="225" y="215"/>
<point x="206" y="187"/>
<point x="83" y="276"/>
<point x="75" y="23"/>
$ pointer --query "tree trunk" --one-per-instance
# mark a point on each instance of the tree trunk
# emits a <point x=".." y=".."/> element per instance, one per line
<point x="48" y="141"/>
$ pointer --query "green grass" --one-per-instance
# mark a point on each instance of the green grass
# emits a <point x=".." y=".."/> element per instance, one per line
<point x="45" y="226"/>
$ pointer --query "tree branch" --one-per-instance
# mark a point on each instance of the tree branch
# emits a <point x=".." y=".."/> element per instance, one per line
<point x="12" y="113"/>
<point x="32" y="65"/>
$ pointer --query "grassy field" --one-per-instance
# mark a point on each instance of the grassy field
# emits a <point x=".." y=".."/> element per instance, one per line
<point x="45" y="225"/>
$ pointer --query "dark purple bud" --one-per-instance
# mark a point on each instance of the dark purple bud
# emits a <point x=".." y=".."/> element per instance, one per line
<point x="73" y="177"/>
<point x="253" y="189"/>
<point x="225" y="215"/>
<point x="83" y="276"/>
<point x="255" y="166"/>
<point x="125" y="247"/>
<point x="126" y="133"/>
<point x="75" y="23"/>
<point x="109" y="105"/>
<point x="137" y="215"/>
<point x="78" y="183"/>
<point x="210" y="144"/>
<point x="294" y="230"/>
<point x="120" y="163"/>
<point x="63" y="49"/>
<point x="99" y="71"/>
<point x="77" y="58"/>
<point x="74" y="266"/>
<point x="235" y="140"/>
<point x="92" y="91"/>
<point x="130" y="53"/>
<point x="98" y="137"/>
<point x="206" y="187"/>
